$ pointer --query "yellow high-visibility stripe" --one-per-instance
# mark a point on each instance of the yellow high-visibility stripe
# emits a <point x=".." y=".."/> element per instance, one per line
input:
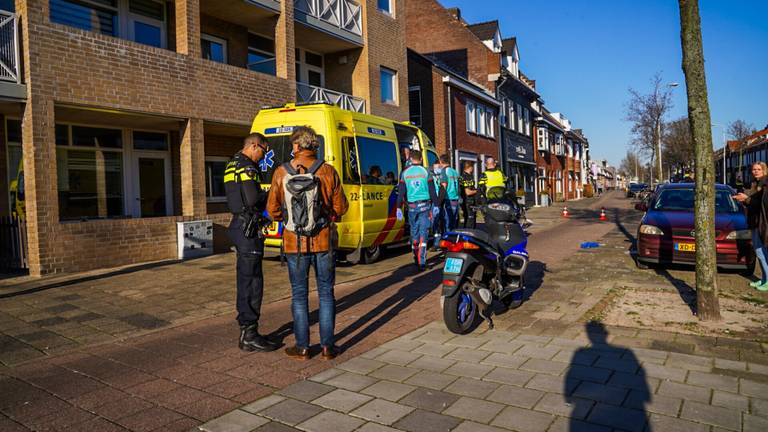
<point x="229" y="178"/>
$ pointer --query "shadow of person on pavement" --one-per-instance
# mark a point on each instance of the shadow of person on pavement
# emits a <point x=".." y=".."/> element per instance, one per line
<point x="598" y="403"/>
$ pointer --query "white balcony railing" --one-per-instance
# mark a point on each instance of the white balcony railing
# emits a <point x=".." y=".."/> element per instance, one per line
<point x="344" y="14"/>
<point x="9" y="48"/>
<point x="310" y="93"/>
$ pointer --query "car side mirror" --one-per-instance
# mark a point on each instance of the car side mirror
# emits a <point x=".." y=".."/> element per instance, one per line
<point x="641" y="206"/>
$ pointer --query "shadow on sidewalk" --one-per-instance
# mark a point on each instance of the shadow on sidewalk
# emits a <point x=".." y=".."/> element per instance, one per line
<point x="595" y="402"/>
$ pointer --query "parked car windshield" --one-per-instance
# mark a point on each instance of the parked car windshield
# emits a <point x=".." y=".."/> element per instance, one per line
<point x="682" y="200"/>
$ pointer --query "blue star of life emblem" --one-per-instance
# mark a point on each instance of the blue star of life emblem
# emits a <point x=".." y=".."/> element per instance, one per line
<point x="268" y="161"/>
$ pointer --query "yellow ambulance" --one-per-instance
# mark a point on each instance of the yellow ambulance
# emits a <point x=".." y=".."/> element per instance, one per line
<point x="367" y="151"/>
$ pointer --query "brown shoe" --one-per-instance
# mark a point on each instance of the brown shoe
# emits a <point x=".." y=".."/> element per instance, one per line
<point x="329" y="352"/>
<point x="297" y="353"/>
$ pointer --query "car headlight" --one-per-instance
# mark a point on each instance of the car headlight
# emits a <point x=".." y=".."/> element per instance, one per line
<point x="739" y="235"/>
<point x="650" y="230"/>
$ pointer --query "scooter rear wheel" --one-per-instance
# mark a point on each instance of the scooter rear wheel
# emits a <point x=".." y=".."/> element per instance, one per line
<point x="459" y="312"/>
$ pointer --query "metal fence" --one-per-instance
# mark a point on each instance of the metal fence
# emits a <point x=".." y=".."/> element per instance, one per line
<point x="9" y="47"/>
<point x="13" y="244"/>
<point x="310" y="93"/>
<point x="344" y="14"/>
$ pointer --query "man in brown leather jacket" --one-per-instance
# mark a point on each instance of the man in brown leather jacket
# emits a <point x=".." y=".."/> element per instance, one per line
<point x="316" y="250"/>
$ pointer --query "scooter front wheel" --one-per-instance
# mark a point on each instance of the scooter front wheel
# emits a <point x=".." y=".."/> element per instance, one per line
<point x="459" y="312"/>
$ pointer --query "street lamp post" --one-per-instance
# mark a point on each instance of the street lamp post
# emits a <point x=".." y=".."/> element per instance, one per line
<point x="725" y="145"/>
<point x="658" y="140"/>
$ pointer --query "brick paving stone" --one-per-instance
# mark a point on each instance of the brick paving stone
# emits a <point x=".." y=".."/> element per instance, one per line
<point x="504" y="348"/>
<point x="350" y="381"/>
<point x="468" y="355"/>
<point x="563" y="424"/>
<point x="551" y="383"/>
<point x="670" y="424"/>
<point x="720" y="382"/>
<point x="588" y="373"/>
<point x="665" y="372"/>
<point x="397" y="357"/>
<point x="542" y="340"/>
<point x="431" y="380"/>
<point x="538" y="352"/>
<point x="684" y="391"/>
<point x="600" y="393"/>
<point x="430" y="363"/>
<point x="372" y="354"/>
<point x="544" y="366"/>
<point x="391" y="391"/>
<point x="262" y="404"/>
<point x="466" y="341"/>
<point x="425" y="421"/>
<point x="207" y="408"/>
<point x="620" y="365"/>
<point x="523" y="420"/>
<point x="474" y="409"/>
<point x="618" y="418"/>
<point x="305" y="390"/>
<point x="752" y="388"/>
<point x="509" y="376"/>
<point x="360" y="365"/>
<point x="757" y="368"/>
<point x="690" y="362"/>
<point x="730" y="400"/>
<point x="431" y="400"/>
<point x="470" y="426"/>
<point x="236" y="421"/>
<point x="375" y="427"/>
<point x="402" y="344"/>
<point x="730" y="364"/>
<point x="512" y="361"/>
<point x="291" y="412"/>
<point x="759" y="407"/>
<point x="434" y="337"/>
<point x="275" y="427"/>
<point x="755" y="424"/>
<point x="717" y="416"/>
<point x="326" y="375"/>
<point x="659" y="404"/>
<point x="382" y="411"/>
<point x="558" y="404"/>
<point x="516" y="396"/>
<point x="151" y="419"/>
<point x="342" y="400"/>
<point x="472" y="370"/>
<point x="471" y="387"/>
<point x="434" y="350"/>
<point x="330" y="421"/>
<point x="394" y="373"/>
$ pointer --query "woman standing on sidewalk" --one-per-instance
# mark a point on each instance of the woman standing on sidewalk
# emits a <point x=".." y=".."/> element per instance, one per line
<point x="756" y="201"/>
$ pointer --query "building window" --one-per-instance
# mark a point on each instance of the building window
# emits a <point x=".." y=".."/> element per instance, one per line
<point x="214" y="179"/>
<point x="527" y="118"/>
<point x="490" y="123"/>
<point x="481" y="122"/>
<point x="471" y="120"/>
<point x="214" y="49"/>
<point x="388" y="85"/>
<point x="414" y="104"/>
<point x="146" y="22"/>
<point x="93" y="15"/>
<point x="512" y="115"/>
<point x="157" y="141"/>
<point x="519" y="119"/>
<point x="309" y="68"/>
<point x="261" y="54"/>
<point x="385" y="6"/>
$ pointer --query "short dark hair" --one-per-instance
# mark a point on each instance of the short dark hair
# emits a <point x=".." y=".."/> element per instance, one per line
<point x="415" y="155"/>
<point x="466" y="164"/>
<point x="445" y="158"/>
<point x="259" y="138"/>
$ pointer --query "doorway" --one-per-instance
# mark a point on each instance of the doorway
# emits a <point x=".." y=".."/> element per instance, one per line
<point x="152" y="184"/>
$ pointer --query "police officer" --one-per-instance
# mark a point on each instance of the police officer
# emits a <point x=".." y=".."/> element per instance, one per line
<point x="417" y="189"/>
<point x="449" y="182"/>
<point x="468" y="194"/>
<point x="246" y="200"/>
<point x="492" y="177"/>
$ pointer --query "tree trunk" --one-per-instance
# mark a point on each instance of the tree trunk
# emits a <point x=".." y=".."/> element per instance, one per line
<point x="708" y="306"/>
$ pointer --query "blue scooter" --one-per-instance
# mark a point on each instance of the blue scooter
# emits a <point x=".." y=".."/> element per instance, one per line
<point x="485" y="265"/>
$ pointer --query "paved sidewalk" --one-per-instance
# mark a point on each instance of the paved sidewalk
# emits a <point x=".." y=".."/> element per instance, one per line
<point x="431" y="380"/>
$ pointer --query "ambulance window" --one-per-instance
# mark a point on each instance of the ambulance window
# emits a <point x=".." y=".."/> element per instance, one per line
<point x="378" y="161"/>
<point x="281" y="152"/>
<point x="351" y="168"/>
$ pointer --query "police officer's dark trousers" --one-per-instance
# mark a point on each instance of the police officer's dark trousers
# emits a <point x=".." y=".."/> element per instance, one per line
<point x="250" y="278"/>
<point x="469" y="215"/>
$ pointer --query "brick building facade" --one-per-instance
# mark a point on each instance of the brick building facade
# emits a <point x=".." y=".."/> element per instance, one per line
<point x="127" y="109"/>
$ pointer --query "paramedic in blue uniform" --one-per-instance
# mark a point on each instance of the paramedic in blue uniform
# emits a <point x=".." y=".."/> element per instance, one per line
<point x="438" y="212"/>
<point x="417" y="190"/>
<point x="245" y="198"/>
<point x="449" y="181"/>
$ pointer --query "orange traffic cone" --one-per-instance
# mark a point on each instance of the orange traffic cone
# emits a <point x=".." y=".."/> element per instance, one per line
<point x="565" y="213"/>
<point x="602" y="214"/>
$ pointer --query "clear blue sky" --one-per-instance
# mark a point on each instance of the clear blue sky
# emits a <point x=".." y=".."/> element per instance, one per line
<point x="585" y="54"/>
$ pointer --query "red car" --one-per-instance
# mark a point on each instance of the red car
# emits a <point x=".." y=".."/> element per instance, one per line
<point x="666" y="234"/>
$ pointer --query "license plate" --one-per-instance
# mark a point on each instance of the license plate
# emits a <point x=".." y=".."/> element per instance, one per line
<point x="453" y="265"/>
<point x="685" y="247"/>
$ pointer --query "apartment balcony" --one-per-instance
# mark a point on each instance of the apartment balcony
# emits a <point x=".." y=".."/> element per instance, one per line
<point x="11" y="86"/>
<point x="309" y="93"/>
<point x="339" y="22"/>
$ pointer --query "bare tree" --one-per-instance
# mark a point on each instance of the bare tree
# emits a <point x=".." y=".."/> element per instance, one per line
<point x="646" y="112"/>
<point x="631" y="166"/>
<point x="707" y="303"/>
<point x="678" y="145"/>
<point x="739" y="129"/>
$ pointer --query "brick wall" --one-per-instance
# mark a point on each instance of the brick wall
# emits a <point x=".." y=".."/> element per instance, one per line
<point x="235" y="35"/>
<point x="468" y="141"/>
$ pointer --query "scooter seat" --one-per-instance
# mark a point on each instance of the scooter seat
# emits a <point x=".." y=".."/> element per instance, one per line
<point x="479" y="234"/>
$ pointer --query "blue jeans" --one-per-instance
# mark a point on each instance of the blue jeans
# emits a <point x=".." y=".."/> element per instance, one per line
<point x="325" y="275"/>
<point x="760" y="253"/>
<point x="438" y="226"/>
<point x="419" y="218"/>
<point x="451" y="214"/>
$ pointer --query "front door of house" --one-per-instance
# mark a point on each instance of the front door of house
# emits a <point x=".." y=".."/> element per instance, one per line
<point x="151" y="184"/>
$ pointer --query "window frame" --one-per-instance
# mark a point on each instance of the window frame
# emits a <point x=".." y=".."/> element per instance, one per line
<point x="390" y="9"/>
<point x="363" y="166"/>
<point x="305" y="68"/>
<point x="218" y="40"/>
<point x="12" y="171"/>
<point x="471" y="120"/>
<point x="131" y="17"/>
<point x="393" y="81"/>
<point x="410" y="105"/>
<point x="209" y="179"/>
<point x="262" y="52"/>
<point x="519" y="113"/>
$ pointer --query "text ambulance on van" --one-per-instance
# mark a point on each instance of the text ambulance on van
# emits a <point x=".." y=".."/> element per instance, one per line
<point x="368" y="152"/>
